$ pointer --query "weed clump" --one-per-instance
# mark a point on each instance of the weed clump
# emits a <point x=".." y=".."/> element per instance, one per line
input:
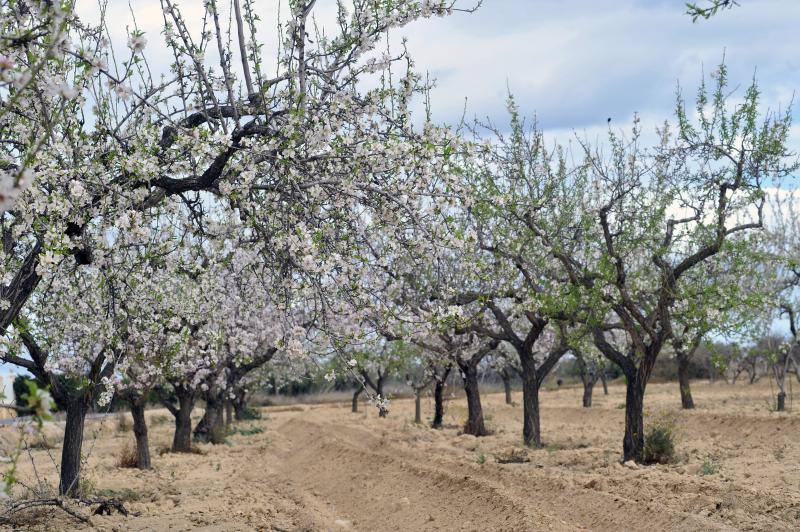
<point x="659" y="442"/>
<point x="709" y="467"/>
<point x="512" y="456"/>
<point x="250" y="413"/>
<point x="128" y="457"/>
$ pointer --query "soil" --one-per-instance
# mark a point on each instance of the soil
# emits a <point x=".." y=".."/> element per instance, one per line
<point x="321" y="467"/>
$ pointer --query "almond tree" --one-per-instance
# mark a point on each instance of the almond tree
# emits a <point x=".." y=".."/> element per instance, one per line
<point x="310" y="160"/>
<point x="521" y="296"/>
<point x="466" y="351"/>
<point x="724" y="296"/>
<point x="591" y="366"/>
<point x="309" y="148"/>
<point x="539" y="346"/>
<point x="75" y="334"/>
<point x="248" y="326"/>
<point x="652" y="216"/>
<point x="780" y="356"/>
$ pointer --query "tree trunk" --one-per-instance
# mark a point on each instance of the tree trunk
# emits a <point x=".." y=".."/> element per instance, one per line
<point x="182" y="440"/>
<point x="588" y="378"/>
<point x="69" y="483"/>
<point x="228" y="413"/>
<point x="438" y="403"/>
<point x="531" y="427"/>
<point x="417" y="406"/>
<point x="683" y="380"/>
<point x="633" y="442"/>
<point x="474" y="424"/>
<point x="781" y="406"/>
<point x="356" y="393"/>
<point x="381" y="411"/>
<point x="588" y="387"/>
<point x="507" y="385"/>
<point x="140" y="433"/>
<point x="211" y="428"/>
<point x="239" y="405"/>
<point x="603" y="380"/>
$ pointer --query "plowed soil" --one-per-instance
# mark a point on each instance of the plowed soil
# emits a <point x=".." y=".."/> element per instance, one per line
<point x="321" y="467"/>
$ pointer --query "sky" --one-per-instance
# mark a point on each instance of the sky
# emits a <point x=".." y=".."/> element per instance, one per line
<point x="576" y="63"/>
<point x="572" y="63"/>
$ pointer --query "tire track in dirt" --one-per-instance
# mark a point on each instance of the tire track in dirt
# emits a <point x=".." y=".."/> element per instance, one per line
<point x="381" y="484"/>
<point x="380" y="490"/>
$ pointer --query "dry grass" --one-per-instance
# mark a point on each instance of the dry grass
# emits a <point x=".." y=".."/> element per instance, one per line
<point x="127" y="457"/>
<point x="512" y="455"/>
<point x="167" y="449"/>
<point x="159" y="419"/>
<point x="124" y="423"/>
<point x="42" y="443"/>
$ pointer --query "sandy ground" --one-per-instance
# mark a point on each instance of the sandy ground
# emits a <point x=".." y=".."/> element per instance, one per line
<point x="323" y="468"/>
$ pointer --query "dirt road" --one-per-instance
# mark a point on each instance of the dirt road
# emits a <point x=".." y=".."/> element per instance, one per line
<point x="324" y="468"/>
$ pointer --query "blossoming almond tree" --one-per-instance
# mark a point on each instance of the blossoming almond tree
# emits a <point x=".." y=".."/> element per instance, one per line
<point x="521" y="297"/>
<point x="76" y="333"/>
<point x="302" y="155"/>
<point x="309" y="158"/>
<point x="652" y="216"/>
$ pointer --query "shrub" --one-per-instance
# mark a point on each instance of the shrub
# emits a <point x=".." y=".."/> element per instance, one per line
<point x="127" y="457"/>
<point x="659" y="442"/>
<point x="124" y="494"/>
<point x="553" y="447"/>
<point x="709" y="467"/>
<point x="248" y="431"/>
<point x="250" y="413"/>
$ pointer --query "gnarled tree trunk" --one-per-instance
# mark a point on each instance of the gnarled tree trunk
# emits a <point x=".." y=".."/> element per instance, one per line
<point x="354" y="406"/>
<point x="438" y="398"/>
<point x="239" y="404"/>
<point x="417" y="406"/>
<point x="588" y="387"/>
<point x="211" y="428"/>
<point x="588" y="377"/>
<point x="182" y="439"/>
<point x="531" y="426"/>
<point x="475" y="424"/>
<point x="633" y="441"/>
<point x="604" y="381"/>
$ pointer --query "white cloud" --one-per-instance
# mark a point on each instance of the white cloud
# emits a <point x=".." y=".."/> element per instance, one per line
<point x="574" y="63"/>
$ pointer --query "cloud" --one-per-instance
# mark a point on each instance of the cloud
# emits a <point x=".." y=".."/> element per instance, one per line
<point x="574" y="63"/>
<point x="577" y="62"/>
